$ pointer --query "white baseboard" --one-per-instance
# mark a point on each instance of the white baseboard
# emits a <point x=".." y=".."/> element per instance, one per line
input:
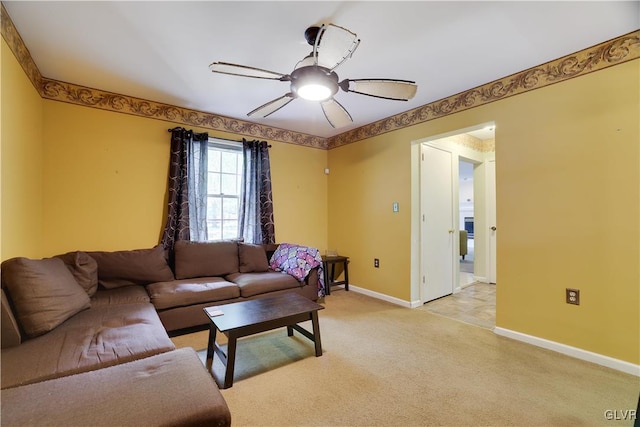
<point x="578" y="353"/>
<point x="384" y="297"/>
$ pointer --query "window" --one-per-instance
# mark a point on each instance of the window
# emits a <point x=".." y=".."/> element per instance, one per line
<point x="224" y="182"/>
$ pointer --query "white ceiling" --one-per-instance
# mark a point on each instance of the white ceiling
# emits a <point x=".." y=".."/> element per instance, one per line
<point x="161" y="51"/>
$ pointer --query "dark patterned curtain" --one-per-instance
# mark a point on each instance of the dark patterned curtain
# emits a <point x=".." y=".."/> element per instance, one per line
<point x="177" y="226"/>
<point x="256" y="200"/>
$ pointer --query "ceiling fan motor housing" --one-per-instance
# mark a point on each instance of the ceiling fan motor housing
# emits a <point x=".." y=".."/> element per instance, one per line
<point x="313" y="74"/>
<point x="311" y="34"/>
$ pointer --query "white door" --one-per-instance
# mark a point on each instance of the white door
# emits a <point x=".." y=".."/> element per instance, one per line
<point x="491" y="220"/>
<point x="437" y="231"/>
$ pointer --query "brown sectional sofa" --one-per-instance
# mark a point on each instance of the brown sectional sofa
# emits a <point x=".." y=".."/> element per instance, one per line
<point x="217" y="273"/>
<point x="86" y="327"/>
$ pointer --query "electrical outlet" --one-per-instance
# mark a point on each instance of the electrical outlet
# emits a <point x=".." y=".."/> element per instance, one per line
<point x="573" y="296"/>
<point x="376" y="263"/>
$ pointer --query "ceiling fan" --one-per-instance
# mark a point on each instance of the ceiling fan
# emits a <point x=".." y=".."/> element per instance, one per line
<point x="314" y="77"/>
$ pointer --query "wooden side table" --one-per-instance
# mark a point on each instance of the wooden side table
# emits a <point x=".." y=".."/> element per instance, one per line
<point x="329" y="267"/>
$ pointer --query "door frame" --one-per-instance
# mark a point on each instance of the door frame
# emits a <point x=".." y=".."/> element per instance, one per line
<point x="416" y="273"/>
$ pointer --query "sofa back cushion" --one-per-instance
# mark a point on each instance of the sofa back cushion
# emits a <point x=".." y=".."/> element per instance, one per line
<point x="83" y="268"/>
<point x="43" y="292"/>
<point x="252" y="258"/>
<point x="205" y="259"/>
<point x="10" y="330"/>
<point x="134" y="267"/>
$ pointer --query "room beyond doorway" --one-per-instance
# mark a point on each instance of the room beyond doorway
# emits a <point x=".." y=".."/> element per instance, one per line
<point x="466" y="203"/>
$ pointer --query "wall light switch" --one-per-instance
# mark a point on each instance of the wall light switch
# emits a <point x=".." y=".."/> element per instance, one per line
<point x="396" y="207"/>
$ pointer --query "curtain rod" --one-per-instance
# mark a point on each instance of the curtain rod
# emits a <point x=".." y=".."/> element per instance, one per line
<point x="216" y="137"/>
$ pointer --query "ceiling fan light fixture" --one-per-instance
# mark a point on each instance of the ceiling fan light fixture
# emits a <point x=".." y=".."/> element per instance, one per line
<point x="314" y="83"/>
<point x="314" y="92"/>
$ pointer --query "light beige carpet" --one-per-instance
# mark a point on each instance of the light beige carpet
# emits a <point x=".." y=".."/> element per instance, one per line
<point x="384" y="365"/>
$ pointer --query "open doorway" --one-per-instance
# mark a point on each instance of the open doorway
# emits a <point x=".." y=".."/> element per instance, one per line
<point x="467" y="294"/>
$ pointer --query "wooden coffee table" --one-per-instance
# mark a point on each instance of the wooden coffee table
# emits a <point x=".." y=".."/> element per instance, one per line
<point x="244" y="318"/>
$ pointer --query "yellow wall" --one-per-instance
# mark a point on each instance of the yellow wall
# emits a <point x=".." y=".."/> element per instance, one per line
<point x="106" y="179"/>
<point x="299" y="194"/>
<point x="567" y="165"/>
<point x="106" y="182"/>
<point x="366" y="178"/>
<point x="22" y="162"/>
<point x="567" y="209"/>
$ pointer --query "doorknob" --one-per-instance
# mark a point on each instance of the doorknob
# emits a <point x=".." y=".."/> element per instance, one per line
<point x="451" y="231"/>
<point x="493" y="228"/>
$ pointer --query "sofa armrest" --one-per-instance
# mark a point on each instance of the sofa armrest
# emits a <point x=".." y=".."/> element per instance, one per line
<point x="313" y="277"/>
<point x="11" y="335"/>
<point x="270" y="248"/>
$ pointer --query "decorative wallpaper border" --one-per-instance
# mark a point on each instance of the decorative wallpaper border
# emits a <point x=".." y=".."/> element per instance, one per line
<point x="12" y="37"/>
<point x="477" y="144"/>
<point x="88" y="97"/>
<point x="616" y="51"/>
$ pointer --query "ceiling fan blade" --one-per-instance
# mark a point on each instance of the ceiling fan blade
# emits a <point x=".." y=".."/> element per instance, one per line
<point x="272" y="106"/>
<point x="245" y="71"/>
<point x="334" y="45"/>
<point x="335" y="113"/>
<point x="399" y="90"/>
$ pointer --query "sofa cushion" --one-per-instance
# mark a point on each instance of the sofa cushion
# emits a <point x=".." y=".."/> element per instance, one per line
<point x="170" y="389"/>
<point x="251" y="284"/>
<point x="184" y="292"/>
<point x="252" y="258"/>
<point x="83" y="268"/>
<point x="93" y="339"/>
<point x="124" y="295"/>
<point x="205" y="259"/>
<point x="133" y="267"/>
<point x="10" y="330"/>
<point x="43" y="292"/>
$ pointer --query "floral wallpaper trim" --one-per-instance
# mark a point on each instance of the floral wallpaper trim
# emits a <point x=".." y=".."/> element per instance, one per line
<point x="12" y="37"/>
<point x="621" y="49"/>
<point x="67" y="92"/>
<point x="473" y="143"/>
<point x="616" y="51"/>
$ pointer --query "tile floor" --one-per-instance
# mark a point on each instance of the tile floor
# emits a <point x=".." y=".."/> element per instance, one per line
<point x="475" y="304"/>
<point x="466" y="279"/>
